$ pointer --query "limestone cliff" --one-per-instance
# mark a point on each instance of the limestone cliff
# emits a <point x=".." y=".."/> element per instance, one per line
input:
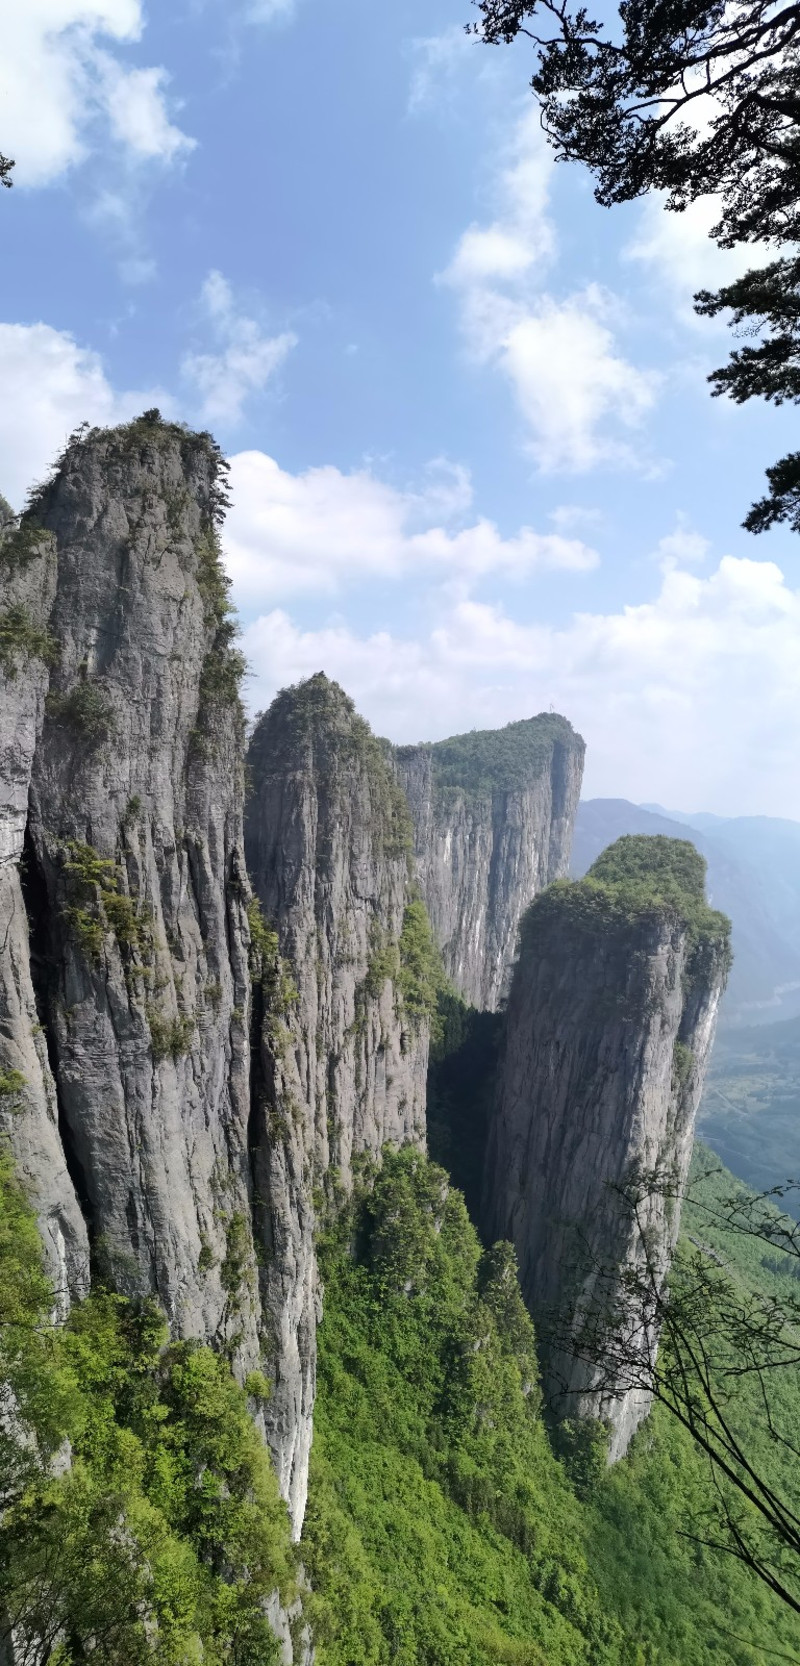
<point x="493" y="813"/>
<point x="328" y="851"/>
<point x="134" y="875"/>
<point x="609" y="1027"/>
<point x="28" y="1099"/>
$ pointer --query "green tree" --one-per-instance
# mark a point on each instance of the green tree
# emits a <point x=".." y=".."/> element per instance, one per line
<point x="692" y="98"/>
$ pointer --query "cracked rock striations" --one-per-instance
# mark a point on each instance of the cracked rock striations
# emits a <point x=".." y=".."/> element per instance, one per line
<point x="328" y="851"/>
<point x="610" y="1023"/>
<point x="493" y="814"/>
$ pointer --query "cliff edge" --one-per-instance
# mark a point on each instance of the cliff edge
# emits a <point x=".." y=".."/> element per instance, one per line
<point x="493" y="813"/>
<point x="610" y="1024"/>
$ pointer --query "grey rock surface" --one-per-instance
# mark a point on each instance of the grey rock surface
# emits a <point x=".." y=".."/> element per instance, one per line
<point x="328" y="851"/>
<point x="327" y="840"/>
<point x="493" y="815"/>
<point x="609" y="1029"/>
<point x="28" y="1103"/>
<point x="135" y="877"/>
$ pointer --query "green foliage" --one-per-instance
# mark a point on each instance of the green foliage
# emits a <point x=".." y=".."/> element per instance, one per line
<point x="101" y="905"/>
<point x="12" y="1085"/>
<point x="238" y="1256"/>
<point x="669" y="868"/>
<point x="682" y="1062"/>
<point x="420" y="974"/>
<point x="639" y="877"/>
<point x="21" y="640"/>
<point x="441" y="1529"/>
<point x="170" y="1038"/>
<point x="23" y="544"/>
<point x="84" y="711"/>
<point x="164" y="1537"/>
<point x="626" y="96"/>
<point x="383" y="963"/>
<point x="318" y="714"/>
<point x="498" y="760"/>
<point x="269" y="971"/>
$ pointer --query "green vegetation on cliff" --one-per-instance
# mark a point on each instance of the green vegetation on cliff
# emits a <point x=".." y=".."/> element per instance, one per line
<point x="640" y="877"/>
<point x="157" y="1534"/>
<point x="499" y="760"/>
<point x="318" y="714"/>
<point x="442" y="1530"/>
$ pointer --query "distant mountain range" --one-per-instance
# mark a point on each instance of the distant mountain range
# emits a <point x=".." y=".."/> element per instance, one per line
<point x="753" y="876"/>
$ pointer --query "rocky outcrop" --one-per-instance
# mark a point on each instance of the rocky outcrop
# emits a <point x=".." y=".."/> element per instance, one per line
<point x="493" y="813"/>
<point x="134" y="876"/>
<point x="328" y="850"/>
<point x="28" y="1100"/>
<point x="609" y="1027"/>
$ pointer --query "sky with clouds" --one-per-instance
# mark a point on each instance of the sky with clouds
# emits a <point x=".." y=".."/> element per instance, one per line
<point x="476" y="470"/>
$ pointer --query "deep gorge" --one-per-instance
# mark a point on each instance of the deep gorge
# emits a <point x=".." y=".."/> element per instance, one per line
<point x="228" y="958"/>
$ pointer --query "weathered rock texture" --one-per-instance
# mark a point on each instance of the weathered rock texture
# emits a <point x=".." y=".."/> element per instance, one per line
<point x="134" y="877"/>
<point x="28" y="1102"/>
<point x="609" y="1027"/>
<point x="328" y="850"/>
<point x="493" y="815"/>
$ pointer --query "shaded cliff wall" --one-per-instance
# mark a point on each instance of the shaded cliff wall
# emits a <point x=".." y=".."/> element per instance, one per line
<point x="343" y="1067"/>
<point x="134" y="875"/>
<point x="493" y="814"/>
<point x="28" y="1098"/>
<point x="609" y="1028"/>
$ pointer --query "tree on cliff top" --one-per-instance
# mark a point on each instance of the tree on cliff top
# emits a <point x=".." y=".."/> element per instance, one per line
<point x="692" y="98"/>
<point x="5" y="171"/>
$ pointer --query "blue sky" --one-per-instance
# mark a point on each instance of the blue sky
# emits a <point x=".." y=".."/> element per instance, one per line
<point x="476" y="468"/>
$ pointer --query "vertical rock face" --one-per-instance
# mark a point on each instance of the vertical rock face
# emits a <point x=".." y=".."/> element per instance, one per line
<point x="343" y="1069"/>
<point x="328" y="851"/>
<point x="134" y="873"/>
<point x="610" y="1024"/>
<point x="493" y="813"/>
<point x="28" y="1104"/>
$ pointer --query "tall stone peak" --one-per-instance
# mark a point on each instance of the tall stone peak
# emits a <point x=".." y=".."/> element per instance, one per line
<point x="328" y="843"/>
<point x="609" y="1027"/>
<point x="493" y="813"/>
<point x="328" y="840"/>
<point x="134" y="864"/>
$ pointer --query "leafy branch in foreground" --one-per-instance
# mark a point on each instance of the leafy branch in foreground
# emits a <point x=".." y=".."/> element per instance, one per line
<point x="715" y="1351"/>
<point x="693" y="100"/>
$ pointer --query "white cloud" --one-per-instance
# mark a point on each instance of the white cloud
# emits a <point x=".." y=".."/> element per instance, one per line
<point x="246" y="361"/>
<point x="50" y="385"/>
<point x="323" y="530"/>
<point x="682" y="545"/>
<point x="682" y="257"/>
<point x="581" y="400"/>
<point x="270" y="11"/>
<point x="579" y="396"/>
<point x="691" y="697"/>
<point x="62" y="93"/>
<point x="437" y="61"/>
